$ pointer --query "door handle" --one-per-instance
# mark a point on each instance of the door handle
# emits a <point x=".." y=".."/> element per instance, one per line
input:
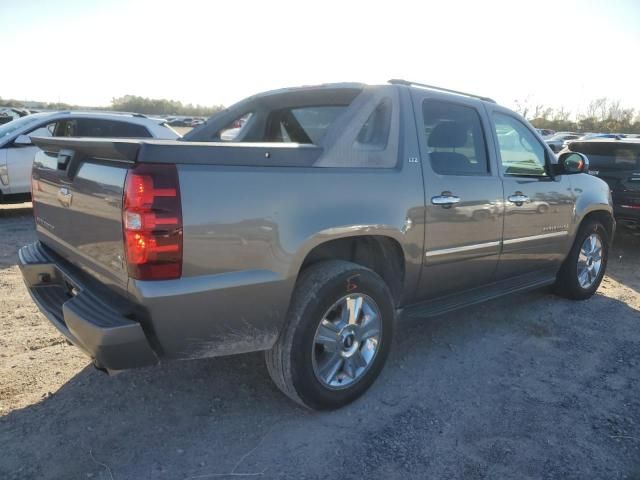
<point x="518" y="198"/>
<point x="445" y="199"/>
<point x="65" y="196"/>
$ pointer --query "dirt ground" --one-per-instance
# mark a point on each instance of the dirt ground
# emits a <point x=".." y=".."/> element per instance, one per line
<point x="526" y="387"/>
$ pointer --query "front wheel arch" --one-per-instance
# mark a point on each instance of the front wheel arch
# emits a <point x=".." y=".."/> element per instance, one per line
<point x="602" y="216"/>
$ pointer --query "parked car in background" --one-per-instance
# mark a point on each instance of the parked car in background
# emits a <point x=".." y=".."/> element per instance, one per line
<point x="180" y="122"/>
<point x="8" y="114"/>
<point x="334" y="208"/>
<point x="545" y="133"/>
<point x="196" y="121"/>
<point x="589" y="136"/>
<point x="17" y="150"/>
<point x="556" y="142"/>
<point x="617" y="162"/>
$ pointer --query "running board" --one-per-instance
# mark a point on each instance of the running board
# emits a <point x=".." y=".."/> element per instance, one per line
<point x="438" y="306"/>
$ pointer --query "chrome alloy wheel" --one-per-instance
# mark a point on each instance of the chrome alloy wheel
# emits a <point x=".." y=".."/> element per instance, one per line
<point x="346" y="341"/>
<point x="589" y="260"/>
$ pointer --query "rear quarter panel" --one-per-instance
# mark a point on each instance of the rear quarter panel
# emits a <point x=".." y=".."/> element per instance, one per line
<point x="247" y="231"/>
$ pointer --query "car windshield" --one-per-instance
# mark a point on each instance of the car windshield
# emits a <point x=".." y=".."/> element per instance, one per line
<point x="19" y="124"/>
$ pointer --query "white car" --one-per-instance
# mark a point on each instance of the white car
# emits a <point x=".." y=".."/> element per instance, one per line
<point x="17" y="152"/>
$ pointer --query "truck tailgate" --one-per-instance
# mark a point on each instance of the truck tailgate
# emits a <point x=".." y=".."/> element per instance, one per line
<point x="77" y="190"/>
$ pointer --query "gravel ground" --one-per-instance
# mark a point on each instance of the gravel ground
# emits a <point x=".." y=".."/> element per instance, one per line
<point x="527" y="387"/>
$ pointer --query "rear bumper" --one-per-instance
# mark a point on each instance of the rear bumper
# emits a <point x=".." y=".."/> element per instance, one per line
<point x="107" y="335"/>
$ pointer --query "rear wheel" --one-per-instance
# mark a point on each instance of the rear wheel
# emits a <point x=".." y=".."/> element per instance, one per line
<point x="337" y="335"/>
<point x="584" y="268"/>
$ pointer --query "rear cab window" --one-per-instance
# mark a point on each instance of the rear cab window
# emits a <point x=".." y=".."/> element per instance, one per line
<point x="232" y="131"/>
<point x="374" y="134"/>
<point x="301" y="125"/>
<point x="354" y="126"/>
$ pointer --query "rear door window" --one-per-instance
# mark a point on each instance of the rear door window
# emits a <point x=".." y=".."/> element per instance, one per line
<point x="455" y="138"/>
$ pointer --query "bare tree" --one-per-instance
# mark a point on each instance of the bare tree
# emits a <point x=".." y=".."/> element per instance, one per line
<point x="561" y="115"/>
<point x="522" y="106"/>
<point x="601" y="108"/>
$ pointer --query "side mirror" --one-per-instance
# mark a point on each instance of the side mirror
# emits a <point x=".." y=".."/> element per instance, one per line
<point x="23" y="141"/>
<point x="572" y="162"/>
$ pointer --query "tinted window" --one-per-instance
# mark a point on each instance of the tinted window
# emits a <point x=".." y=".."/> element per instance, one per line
<point x="609" y="155"/>
<point x="375" y="132"/>
<point x="127" y="130"/>
<point x="454" y="138"/>
<point x="301" y="125"/>
<point x="520" y="151"/>
<point x="16" y="125"/>
<point x="233" y="129"/>
<point x="43" y="131"/>
<point x="91" y="127"/>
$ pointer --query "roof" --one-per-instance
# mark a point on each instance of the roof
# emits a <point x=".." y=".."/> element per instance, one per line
<point x="396" y="81"/>
<point x="102" y="114"/>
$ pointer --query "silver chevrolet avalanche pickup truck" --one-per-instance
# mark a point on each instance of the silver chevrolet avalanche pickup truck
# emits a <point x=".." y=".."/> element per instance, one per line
<point x="302" y="222"/>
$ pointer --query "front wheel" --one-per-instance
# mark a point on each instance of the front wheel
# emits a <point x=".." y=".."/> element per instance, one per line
<point x="337" y="335"/>
<point x="584" y="267"/>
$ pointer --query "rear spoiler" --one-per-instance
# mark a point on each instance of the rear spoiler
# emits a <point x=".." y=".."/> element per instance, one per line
<point x="112" y="149"/>
<point x="182" y="152"/>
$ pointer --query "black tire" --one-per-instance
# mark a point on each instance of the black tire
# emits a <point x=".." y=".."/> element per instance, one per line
<point x="290" y="362"/>
<point x="567" y="284"/>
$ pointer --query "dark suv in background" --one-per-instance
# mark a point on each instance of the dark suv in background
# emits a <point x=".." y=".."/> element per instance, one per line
<point x="617" y="162"/>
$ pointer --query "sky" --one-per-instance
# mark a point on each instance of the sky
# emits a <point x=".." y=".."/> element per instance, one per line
<point x="85" y="52"/>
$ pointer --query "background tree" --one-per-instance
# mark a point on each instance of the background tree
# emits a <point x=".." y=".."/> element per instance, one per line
<point x="602" y="115"/>
<point x="161" y="106"/>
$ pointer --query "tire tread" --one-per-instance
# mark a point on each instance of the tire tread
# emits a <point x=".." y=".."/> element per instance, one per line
<point x="278" y="359"/>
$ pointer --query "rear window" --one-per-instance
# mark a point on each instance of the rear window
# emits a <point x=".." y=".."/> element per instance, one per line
<point x="374" y="134"/>
<point x="609" y="155"/>
<point x="233" y="130"/>
<point x="302" y="124"/>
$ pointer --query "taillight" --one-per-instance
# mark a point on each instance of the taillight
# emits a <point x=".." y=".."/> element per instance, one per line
<point x="152" y="222"/>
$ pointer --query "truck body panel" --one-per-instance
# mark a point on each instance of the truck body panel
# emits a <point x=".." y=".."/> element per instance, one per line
<point x="254" y="212"/>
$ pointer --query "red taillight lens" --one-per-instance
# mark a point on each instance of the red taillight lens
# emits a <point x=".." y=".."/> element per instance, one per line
<point x="152" y="222"/>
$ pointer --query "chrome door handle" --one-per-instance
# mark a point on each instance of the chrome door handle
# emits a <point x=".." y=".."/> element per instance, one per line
<point x="518" y="198"/>
<point x="445" y="200"/>
<point x="65" y="196"/>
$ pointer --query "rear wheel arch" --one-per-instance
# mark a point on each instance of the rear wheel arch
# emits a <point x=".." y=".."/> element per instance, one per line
<point x="382" y="254"/>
